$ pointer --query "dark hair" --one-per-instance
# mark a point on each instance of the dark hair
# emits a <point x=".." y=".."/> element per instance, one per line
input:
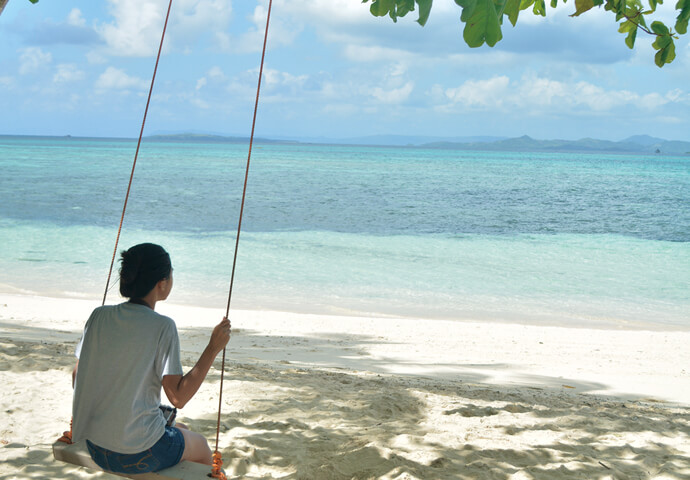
<point x="141" y="268"/>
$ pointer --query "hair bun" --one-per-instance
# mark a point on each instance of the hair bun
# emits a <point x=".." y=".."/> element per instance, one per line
<point x="129" y="269"/>
<point x="141" y="268"/>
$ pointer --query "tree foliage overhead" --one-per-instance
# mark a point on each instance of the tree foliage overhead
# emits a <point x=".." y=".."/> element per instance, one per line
<point x="483" y="18"/>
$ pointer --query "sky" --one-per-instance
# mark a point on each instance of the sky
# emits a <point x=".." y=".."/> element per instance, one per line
<point x="332" y="71"/>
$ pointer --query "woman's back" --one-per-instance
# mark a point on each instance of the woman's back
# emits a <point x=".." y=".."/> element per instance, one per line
<point x="124" y="353"/>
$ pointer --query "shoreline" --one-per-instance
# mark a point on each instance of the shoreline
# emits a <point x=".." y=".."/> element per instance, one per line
<point x="341" y="398"/>
<point x="555" y="318"/>
<point x="631" y="364"/>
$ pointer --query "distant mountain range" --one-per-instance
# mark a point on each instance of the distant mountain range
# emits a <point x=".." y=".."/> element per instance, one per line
<point x="376" y="140"/>
<point x="634" y="144"/>
<point x="209" y="138"/>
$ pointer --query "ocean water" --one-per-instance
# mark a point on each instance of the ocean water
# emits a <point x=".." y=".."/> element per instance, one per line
<point x="552" y="238"/>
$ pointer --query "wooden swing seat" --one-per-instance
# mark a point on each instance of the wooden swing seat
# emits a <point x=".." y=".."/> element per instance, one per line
<point x="77" y="454"/>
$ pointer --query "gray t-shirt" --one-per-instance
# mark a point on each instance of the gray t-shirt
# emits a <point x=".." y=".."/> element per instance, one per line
<point x="125" y="352"/>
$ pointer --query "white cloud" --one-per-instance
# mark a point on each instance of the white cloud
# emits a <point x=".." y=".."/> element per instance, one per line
<point x="481" y="93"/>
<point x="199" y="103"/>
<point x="398" y="69"/>
<point x="6" y="82"/>
<point x="340" y="109"/>
<point x="325" y="12"/>
<point x="330" y="90"/>
<point x="136" y="28"/>
<point x="214" y="73"/>
<point x="345" y="23"/>
<point x="193" y="19"/>
<point x="368" y="53"/>
<point x="137" y="24"/>
<point x="393" y="95"/>
<point x="116" y="79"/>
<point x="670" y="120"/>
<point x="592" y="38"/>
<point x="653" y="100"/>
<point x="75" y="18"/>
<point x="281" y="31"/>
<point x="223" y="41"/>
<point x="676" y="95"/>
<point x="275" y="78"/>
<point x="67" y="73"/>
<point x="33" y="59"/>
<point x="96" y="58"/>
<point x="538" y="94"/>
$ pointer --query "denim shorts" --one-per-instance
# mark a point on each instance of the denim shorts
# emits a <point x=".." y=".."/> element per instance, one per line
<point x="165" y="453"/>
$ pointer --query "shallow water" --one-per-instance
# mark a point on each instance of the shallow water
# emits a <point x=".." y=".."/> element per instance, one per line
<point x="580" y="239"/>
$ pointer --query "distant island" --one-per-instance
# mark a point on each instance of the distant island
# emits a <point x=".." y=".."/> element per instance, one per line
<point x="634" y="144"/>
<point x="208" y="138"/>
<point x="641" y="144"/>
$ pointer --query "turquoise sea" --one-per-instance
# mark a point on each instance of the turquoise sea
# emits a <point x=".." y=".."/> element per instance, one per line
<point x="581" y="239"/>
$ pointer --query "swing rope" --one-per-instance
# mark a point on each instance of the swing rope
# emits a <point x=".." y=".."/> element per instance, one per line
<point x="136" y="154"/>
<point x="216" y="471"/>
<point x="67" y="435"/>
<point x="217" y="460"/>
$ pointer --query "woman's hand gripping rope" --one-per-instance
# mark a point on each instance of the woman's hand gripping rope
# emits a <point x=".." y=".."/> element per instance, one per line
<point x="220" y="336"/>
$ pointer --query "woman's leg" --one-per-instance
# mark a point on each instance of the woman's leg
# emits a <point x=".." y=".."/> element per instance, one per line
<point x="196" y="448"/>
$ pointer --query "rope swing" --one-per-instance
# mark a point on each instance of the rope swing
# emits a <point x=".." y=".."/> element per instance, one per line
<point x="67" y="436"/>
<point x="217" y="461"/>
<point x="216" y="471"/>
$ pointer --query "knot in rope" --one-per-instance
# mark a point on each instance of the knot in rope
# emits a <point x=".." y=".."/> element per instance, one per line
<point x="67" y="436"/>
<point x="216" y="470"/>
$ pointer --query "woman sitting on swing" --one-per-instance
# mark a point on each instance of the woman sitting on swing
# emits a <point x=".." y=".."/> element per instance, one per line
<point x="126" y="354"/>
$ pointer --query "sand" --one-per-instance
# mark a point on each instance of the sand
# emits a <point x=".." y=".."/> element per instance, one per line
<point x="319" y="397"/>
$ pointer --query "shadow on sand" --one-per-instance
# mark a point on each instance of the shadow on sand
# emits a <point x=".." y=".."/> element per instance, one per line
<point x="349" y="419"/>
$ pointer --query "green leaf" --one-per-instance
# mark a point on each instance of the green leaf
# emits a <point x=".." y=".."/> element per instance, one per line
<point x="581" y="6"/>
<point x="666" y="54"/>
<point x="404" y="7"/>
<point x="627" y="26"/>
<point x="481" y="23"/>
<point x="424" y="10"/>
<point x="512" y="10"/>
<point x="399" y="8"/>
<point x="381" y="8"/>
<point x="662" y="42"/>
<point x="468" y="7"/>
<point x="659" y="28"/>
<point x="683" y="16"/>
<point x="617" y="6"/>
<point x="631" y="28"/>
<point x="539" y="8"/>
<point x="483" y="18"/>
<point x="34" y="1"/>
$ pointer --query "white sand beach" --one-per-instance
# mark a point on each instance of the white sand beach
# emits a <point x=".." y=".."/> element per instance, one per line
<point x="326" y="397"/>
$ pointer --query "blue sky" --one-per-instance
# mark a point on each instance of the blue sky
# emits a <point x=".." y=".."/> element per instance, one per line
<point x="332" y="70"/>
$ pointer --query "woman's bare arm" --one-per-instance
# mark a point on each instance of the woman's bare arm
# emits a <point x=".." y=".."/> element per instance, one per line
<point x="180" y="389"/>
